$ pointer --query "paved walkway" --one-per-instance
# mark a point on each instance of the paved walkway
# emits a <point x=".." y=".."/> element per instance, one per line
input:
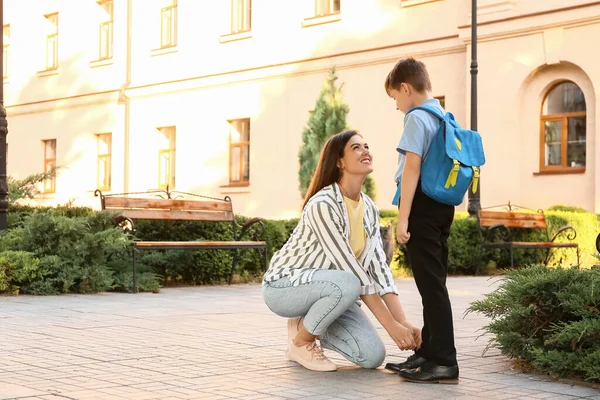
<point x="222" y="343"/>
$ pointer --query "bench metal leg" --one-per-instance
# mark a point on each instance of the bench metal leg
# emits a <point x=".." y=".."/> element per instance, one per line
<point x="547" y="258"/>
<point x="233" y="265"/>
<point x="134" y="288"/>
<point x="512" y="258"/>
<point x="479" y="260"/>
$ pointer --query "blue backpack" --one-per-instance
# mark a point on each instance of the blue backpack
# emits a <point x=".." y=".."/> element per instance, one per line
<point x="453" y="161"/>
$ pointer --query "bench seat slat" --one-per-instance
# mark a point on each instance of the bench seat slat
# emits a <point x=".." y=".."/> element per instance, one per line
<point x="531" y="245"/>
<point x="543" y="244"/>
<point x="165" y="204"/>
<point x="199" y="244"/>
<point x="485" y="214"/>
<point x="181" y="215"/>
<point x="514" y="223"/>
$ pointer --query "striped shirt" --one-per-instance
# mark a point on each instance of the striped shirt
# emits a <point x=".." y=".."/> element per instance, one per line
<point x="321" y="241"/>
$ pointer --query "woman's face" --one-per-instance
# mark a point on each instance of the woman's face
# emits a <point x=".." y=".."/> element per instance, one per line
<point x="357" y="159"/>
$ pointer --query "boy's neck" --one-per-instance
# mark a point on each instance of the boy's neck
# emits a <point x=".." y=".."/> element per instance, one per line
<point x="420" y="98"/>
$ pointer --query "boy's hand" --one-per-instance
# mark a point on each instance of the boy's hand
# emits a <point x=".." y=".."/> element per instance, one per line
<point x="402" y="234"/>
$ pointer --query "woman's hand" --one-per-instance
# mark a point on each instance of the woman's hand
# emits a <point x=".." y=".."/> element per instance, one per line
<point x="415" y="332"/>
<point x="401" y="335"/>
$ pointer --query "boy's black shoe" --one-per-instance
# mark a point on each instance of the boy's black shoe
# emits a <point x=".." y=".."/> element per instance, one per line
<point x="412" y="362"/>
<point x="430" y="372"/>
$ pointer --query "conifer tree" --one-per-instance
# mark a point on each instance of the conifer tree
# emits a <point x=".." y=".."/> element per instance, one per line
<point x="327" y="119"/>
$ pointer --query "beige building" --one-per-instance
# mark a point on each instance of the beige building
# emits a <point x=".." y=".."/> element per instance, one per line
<point x="211" y="97"/>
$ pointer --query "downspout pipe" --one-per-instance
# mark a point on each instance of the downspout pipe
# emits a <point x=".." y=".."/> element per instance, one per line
<point x="125" y="100"/>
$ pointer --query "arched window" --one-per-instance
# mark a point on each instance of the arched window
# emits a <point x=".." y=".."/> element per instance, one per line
<point x="563" y="133"/>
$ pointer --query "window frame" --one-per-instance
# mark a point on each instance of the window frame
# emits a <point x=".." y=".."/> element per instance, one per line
<point x="171" y="154"/>
<point x="49" y="38"/>
<point x="108" y="27"/>
<point x="47" y="161"/>
<point x="247" y="17"/>
<point x="563" y="118"/>
<point x="331" y="8"/>
<point x="172" y="40"/>
<point x="244" y="147"/>
<point x="5" y="49"/>
<point x="104" y="159"/>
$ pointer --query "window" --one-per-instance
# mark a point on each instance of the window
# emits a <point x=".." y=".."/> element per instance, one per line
<point x="326" y="7"/>
<point x="106" y="31"/>
<point x="6" y="43"/>
<point x="168" y="25"/>
<point x="104" y="161"/>
<point x="442" y="100"/>
<point x="52" y="42"/>
<point x="239" y="152"/>
<point x="241" y="15"/>
<point x="563" y="129"/>
<point x="166" y="157"/>
<point x="50" y="165"/>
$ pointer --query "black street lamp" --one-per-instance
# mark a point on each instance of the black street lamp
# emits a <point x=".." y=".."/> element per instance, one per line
<point x="3" y="133"/>
<point x="474" y="198"/>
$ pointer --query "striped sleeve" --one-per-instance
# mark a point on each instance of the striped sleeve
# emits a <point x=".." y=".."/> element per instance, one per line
<point x="380" y="270"/>
<point x="328" y="228"/>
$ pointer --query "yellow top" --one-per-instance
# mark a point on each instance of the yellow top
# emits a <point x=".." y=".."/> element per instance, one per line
<point x="358" y="235"/>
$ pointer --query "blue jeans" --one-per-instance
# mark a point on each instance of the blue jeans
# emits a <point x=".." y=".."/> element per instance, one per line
<point x="328" y="305"/>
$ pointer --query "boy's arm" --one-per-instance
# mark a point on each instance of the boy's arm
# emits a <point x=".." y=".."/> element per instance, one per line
<point x="410" y="179"/>
<point x="412" y="145"/>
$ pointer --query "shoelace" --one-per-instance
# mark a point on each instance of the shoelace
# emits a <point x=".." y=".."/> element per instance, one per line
<point x="316" y="350"/>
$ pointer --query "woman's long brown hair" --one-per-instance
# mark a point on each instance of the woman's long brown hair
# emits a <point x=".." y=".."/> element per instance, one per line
<point x="327" y="171"/>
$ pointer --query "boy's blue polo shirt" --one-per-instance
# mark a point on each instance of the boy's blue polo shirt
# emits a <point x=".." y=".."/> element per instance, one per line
<point x="420" y="127"/>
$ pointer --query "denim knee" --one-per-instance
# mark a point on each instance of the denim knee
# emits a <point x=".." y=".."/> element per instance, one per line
<point x="375" y="356"/>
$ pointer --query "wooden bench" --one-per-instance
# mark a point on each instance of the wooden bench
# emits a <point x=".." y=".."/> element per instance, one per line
<point x="502" y="222"/>
<point x="160" y="208"/>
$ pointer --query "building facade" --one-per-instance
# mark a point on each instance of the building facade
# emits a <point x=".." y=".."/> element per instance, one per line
<point x="211" y="97"/>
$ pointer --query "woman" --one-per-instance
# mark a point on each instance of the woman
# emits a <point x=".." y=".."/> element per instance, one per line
<point x="333" y="258"/>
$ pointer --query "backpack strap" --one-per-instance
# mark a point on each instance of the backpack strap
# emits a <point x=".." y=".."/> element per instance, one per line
<point x="435" y="112"/>
<point x="431" y="110"/>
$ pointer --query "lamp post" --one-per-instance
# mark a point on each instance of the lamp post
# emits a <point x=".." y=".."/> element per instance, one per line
<point x="474" y="198"/>
<point x="3" y="133"/>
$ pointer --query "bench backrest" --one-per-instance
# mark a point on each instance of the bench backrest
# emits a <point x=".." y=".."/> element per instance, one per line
<point x="512" y="219"/>
<point x="170" y="209"/>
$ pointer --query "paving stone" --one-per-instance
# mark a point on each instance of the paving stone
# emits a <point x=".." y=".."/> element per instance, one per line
<point x="222" y="342"/>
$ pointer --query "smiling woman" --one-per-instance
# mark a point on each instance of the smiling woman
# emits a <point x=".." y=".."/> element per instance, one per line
<point x="334" y="257"/>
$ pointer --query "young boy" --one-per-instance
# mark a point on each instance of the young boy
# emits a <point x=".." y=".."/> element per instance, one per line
<point x="424" y="226"/>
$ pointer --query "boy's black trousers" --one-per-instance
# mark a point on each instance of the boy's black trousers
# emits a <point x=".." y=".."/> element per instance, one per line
<point x="429" y="226"/>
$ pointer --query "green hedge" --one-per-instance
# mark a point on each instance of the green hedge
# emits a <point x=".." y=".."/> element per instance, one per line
<point x="549" y="319"/>
<point x="78" y="261"/>
<point x="64" y="250"/>
<point x="71" y="249"/>
<point x="464" y="243"/>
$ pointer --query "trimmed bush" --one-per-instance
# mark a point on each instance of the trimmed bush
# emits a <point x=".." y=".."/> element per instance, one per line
<point x="51" y="251"/>
<point x="548" y="319"/>
<point x="464" y="244"/>
<point x="70" y="249"/>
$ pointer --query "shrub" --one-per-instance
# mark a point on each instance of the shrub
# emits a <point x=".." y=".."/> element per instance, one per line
<point x="48" y="252"/>
<point x="549" y="319"/>
<point x="464" y="244"/>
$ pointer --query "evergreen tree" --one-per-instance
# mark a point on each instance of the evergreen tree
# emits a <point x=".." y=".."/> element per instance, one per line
<point x="328" y="118"/>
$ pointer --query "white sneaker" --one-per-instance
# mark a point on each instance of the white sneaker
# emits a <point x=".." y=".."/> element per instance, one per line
<point x="310" y="357"/>
<point x="293" y="326"/>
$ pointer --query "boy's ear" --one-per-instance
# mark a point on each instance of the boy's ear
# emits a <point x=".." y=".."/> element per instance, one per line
<point x="406" y="88"/>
